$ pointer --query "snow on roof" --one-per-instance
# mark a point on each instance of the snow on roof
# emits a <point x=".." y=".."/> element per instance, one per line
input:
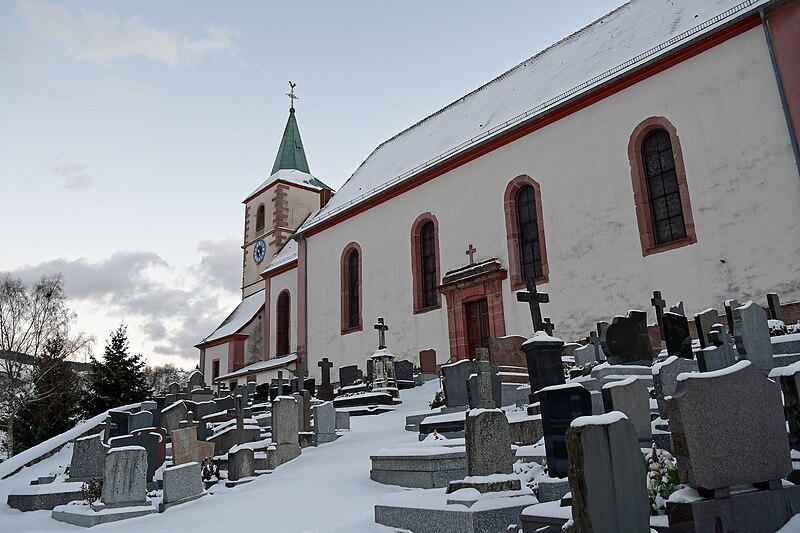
<point x="615" y="44"/>
<point x="284" y="256"/>
<point x="244" y="313"/>
<point x="261" y="366"/>
<point x="304" y="179"/>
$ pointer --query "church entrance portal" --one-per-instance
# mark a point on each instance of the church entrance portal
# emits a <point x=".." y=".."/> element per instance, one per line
<point x="474" y="296"/>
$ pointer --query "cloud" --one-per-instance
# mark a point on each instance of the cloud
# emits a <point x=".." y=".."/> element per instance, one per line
<point x="73" y="175"/>
<point x="169" y="308"/>
<point x="105" y="38"/>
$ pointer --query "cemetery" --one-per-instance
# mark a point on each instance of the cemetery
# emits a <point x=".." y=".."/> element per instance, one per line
<point x="698" y="432"/>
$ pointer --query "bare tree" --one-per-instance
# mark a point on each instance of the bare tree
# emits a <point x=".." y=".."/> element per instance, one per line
<point x="30" y="317"/>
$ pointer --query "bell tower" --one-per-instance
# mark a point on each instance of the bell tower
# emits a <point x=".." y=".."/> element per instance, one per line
<point x="280" y="204"/>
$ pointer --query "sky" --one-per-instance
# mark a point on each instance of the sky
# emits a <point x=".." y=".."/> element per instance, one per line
<point x="130" y="132"/>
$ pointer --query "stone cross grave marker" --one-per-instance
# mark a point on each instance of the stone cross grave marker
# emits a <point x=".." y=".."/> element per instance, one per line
<point x="774" y="303"/>
<point x="659" y="304"/>
<point x="752" y="336"/>
<point x="471" y="253"/>
<point x="595" y="341"/>
<point x="534" y="299"/>
<point x="382" y="329"/>
<point x="704" y="321"/>
<point x="280" y="382"/>
<point x="605" y="473"/>
<point x="325" y="390"/>
<point x="627" y="341"/>
<point x="730" y="305"/>
<point x="561" y="404"/>
<point x="484" y="371"/>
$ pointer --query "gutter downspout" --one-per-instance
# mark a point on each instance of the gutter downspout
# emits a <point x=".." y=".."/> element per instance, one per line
<point x="303" y="370"/>
<point x="781" y="92"/>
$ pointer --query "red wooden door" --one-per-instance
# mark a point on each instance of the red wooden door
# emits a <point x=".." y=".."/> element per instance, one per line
<point x="477" y="325"/>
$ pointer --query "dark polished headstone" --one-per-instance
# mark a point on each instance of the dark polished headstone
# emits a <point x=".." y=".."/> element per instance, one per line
<point x="325" y="391"/>
<point x="119" y="419"/>
<point x="262" y="393"/>
<point x="370" y="371"/>
<point x="294" y="385"/>
<point x="404" y="374"/>
<point x="561" y="404"/>
<point x="454" y="379"/>
<point x="677" y="335"/>
<point x="543" y="356"/>
<point x="310" y="384"/>
<point x="704" y="322"/>
<point x="348" y="375"/>
<point x="497" y="393"/>
<point x="225" y="403"/>
<point x="627" y="341"/>
<point x="730" y="305"/>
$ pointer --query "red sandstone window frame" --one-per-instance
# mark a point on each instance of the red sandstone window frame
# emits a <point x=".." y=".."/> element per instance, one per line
<point x="260" y="217"/>
<point x="283" y="331"/>
<point x="641" y="196"/>
<point x="416" y="262"/>
<point x="516" y="277"/>
<point x="345" y="288"/>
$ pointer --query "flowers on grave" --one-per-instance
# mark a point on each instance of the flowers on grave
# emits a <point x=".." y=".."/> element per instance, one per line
<point x="777" y="327"/>
<point x="210" y="469"/>
<point x="435" y="435"/>
<point x="662" y="478"/>
<point x="529" y="474"/>
<point x="91" y="491"/>
<point x="437" y="400"/>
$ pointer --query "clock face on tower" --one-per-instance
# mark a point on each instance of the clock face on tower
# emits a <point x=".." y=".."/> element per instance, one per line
<point x="259" y="251"/>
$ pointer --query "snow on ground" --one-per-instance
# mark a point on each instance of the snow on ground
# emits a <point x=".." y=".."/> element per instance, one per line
<point x="326" y="489"/>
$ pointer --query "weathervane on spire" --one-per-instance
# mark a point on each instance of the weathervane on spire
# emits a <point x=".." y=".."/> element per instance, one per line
<point x="291" y="95"/>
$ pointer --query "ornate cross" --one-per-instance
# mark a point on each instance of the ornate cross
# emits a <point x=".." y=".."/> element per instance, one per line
<point x="382" y="328"/>
<point x="659" y="303"/>
<point x="291" y="95"/>
<point x="325" y="365"/>
<point x="483" y="368"/>
<point x="471" y="252"/>
<point x="594" y="340"/>
<point x="534" y="299"/>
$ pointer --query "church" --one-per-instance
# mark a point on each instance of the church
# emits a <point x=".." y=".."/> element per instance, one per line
<point x="655" y="148"/>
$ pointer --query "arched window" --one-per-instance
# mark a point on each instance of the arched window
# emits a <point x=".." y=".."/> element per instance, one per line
<point x="660" y="192"/>
<point x="425" y="262"/>
<point x="527" y="253"/>
<point x="351" y="288"/>
<point x="260" y="218"/>
<point x="283" y="320"/>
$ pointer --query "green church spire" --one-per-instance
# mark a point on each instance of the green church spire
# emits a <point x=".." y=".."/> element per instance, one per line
<point x="291" y="154"/>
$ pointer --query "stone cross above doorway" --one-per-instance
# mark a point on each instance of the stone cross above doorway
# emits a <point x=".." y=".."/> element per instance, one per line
<point x="534" y="299"/>
<point x="382" y="329"/>
<point x="471" y="253"/>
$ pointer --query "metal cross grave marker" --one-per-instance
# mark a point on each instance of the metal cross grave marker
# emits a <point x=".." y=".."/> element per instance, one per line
<point x="534" y="299"/>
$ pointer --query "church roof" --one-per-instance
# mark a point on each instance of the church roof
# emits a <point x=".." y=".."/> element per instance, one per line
<point x="239" y="318"/>
<point x="284" y="256"/>
<point x="633" y="35"/>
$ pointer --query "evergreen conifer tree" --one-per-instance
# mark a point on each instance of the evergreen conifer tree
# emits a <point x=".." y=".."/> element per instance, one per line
<point x="117" y="380"/>
<point x="54" y="407"/>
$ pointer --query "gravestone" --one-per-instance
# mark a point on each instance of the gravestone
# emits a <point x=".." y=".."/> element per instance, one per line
<point x="125" y="477"/>
<point x="789" y="379"/>
<point x="241" y="463"/>
<point x="174" y="388"/>
<point x="561" y="404"/>
<point x="454" y="381"/>
<point x="497" y="390"/>
<point x="172" y="415"/>
<point x="148" y="442"/>
<point x="589" y="353"/>
<point x="427" y="362"/>
<point x="310" y="384"/>
<point x="627" y="341"/>
<point x="142" y="419"/>
<point x="658" y="304"/>
<point x="631" y="398"/>
<point x="225" y="403"/>
<point x="678" y="309"/>
<point x="605" y="474"/>
<point x="507" y="351"/>
<point x="88" y="459"/>
<point x="720" y="354"/>
<point x="730" y="305"/>
<point x="295" y="385"/>
<point x="325" y="389"/>
<point x="182" y="483"/>
<point x="186" y="448"/>
<point x="704" y="322"/>
<point x="665" y="379"/>
<point x="774" y="303"/>
<point x="285" y="435"/>
<point x="119" y="424"/>
<point x="404" y="373"/>
<point x="203" y="409"/>
<point x="370" y="371"/>
<point x="752" y="336"/>
<point x="534" y="299"/>
<point x="262" y="393"/>
<point x="343" y="420"/>
<point x="348" y="375"/>
<point x="729" y="429"/>
<point x="195" y="381"/>
<point x="543" y="354"/>
<point x="676" y="335"/>
<point x="324" y="423"/>
<point x="303" y="411"/>
<point x="161" y="447"/>
<point x="154" y="407"/>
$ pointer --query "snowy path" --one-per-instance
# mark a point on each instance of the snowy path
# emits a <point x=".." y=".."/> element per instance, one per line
<point x="326" y="489"/>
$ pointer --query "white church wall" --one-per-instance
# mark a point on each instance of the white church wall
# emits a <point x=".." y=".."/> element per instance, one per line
<point x="220" y="352"/>
<point x="279" y="283"/>
<point x="743" y="185"/>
